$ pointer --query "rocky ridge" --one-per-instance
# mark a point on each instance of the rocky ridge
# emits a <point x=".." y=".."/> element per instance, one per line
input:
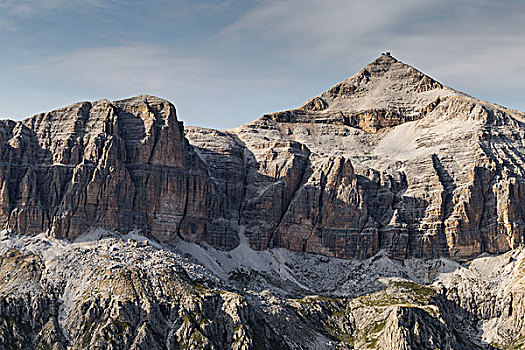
<point x="384" y="213"/>
<point x="388" y="159"/>
<point x="106" y="291"/>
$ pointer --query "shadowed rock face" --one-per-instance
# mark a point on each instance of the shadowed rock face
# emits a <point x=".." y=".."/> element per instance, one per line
<point x="122" y="165"/>
<point x="388" y="159"/>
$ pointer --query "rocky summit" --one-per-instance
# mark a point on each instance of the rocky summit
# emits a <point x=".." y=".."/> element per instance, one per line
<point x="385" y="213"/>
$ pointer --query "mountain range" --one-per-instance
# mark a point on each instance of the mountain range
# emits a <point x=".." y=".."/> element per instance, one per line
<point x="385" y="213"/>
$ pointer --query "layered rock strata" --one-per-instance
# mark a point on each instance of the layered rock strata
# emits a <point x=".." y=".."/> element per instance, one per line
<point x="124" y="165"/>
<point x="388" y="159"/>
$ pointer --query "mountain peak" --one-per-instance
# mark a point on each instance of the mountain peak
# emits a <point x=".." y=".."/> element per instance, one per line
<point x="384" y="58"/>
<point x="384" y="93"/>
<point x="141" y="100"/>
<point x="385" y="83"/>
<point x="389" y="69"/>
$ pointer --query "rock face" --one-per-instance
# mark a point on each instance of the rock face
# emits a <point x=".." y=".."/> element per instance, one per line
<point x="110" y="293"/>
<point x="129" y="297"/>
<point x="124" y="165"/>
<point x="388" y="159"/>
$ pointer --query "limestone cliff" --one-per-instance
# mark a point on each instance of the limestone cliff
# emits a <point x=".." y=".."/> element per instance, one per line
<point x="388" y="159"/>
<point x="124" y="166"/>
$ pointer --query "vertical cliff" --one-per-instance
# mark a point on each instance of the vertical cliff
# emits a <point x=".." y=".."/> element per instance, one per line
<point x="122" y="166"/>
<point x="389" y="159"/>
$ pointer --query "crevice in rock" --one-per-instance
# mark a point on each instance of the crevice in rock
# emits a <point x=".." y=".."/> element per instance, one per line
<point x="447" y="194"/>
<point x="300" y="183"/>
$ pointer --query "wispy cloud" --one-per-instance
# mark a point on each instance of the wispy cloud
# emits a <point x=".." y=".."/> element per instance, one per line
<point x="233" y="59"/>
<point x="461" y="42"/>
<point x="13" y="10"/>
<point x="122" y="68"/>
<point x="310" y="31"/>
<point x="207" y="87"/>
<point x="139" y="67"/>
<point x="25" y="8"/>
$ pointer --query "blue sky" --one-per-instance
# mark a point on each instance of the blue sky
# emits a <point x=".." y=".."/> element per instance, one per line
<point x="223" y="63"/>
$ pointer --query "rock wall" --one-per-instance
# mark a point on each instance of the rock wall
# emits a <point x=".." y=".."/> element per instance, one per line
<point x="121" y="166"/>
<point x="387" y="160"/>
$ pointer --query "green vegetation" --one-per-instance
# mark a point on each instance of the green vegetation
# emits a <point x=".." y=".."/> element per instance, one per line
<point x="373" y="334"/>
<point x="405" y="293"/>
<point x="195" y="341"/>
<point x="121" y="326"/>
<point x="86" y="334"/>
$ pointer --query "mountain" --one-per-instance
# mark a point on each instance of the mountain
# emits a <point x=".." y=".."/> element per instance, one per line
<point x="366" y="218"/>
<point x="389" y="159"/>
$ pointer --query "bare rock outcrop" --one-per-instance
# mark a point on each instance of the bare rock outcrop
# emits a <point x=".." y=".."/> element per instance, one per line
<point x="389" y="159"/>
<point x="436" y="172"/>
<point x="329" y="215"/>
<point x="122" y="166"/>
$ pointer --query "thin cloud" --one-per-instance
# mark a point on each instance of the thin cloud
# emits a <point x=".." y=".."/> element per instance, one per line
<point x="139" y="67"/>
<point x="11" y="11"/>
<point x="207" y="87"/>
<point x="310" y="30"/>
<point x="229" y="61"/>
<point x="476" y="45"/>
<point x="25" y="8"/>
<point x="112" y="69"/>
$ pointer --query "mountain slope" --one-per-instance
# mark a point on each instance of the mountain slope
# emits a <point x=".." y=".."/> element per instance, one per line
<point x="427" y="171"/>
<point x="388" y="159"/>
<point x="122" y="229"/>
<point x="113" y="292"/>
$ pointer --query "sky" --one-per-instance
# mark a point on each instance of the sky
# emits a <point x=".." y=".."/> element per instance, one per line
<point x="224" y="63"/>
